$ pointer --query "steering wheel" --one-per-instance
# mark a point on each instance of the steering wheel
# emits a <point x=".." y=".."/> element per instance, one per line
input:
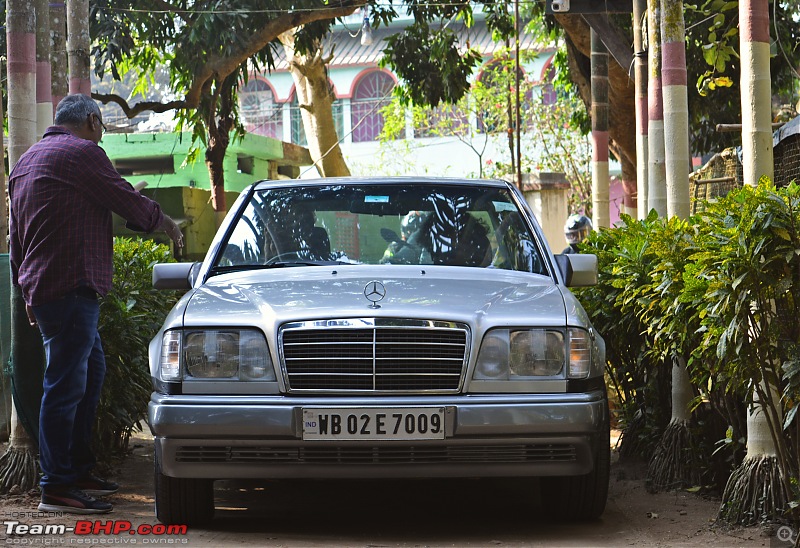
<point x="286" y="256"/>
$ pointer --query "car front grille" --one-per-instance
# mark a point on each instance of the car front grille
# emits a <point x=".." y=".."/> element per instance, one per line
<point x="496" y="454"/>
<point x="371" y="355"/>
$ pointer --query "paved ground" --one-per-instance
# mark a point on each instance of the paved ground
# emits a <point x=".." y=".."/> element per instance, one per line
<point x="372" y="514"/>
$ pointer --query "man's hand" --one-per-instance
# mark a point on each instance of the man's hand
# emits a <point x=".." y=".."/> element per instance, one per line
<point x="173" y="230"/>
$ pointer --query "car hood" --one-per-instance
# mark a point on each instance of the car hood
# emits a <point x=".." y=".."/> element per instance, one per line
<point x="269" y="298"/>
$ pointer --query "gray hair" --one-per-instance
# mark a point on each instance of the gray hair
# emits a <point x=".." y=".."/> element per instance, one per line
<point x="74" y="109"/>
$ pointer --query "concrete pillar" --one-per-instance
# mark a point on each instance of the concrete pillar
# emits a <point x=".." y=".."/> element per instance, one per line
<point x="547" y="195"/>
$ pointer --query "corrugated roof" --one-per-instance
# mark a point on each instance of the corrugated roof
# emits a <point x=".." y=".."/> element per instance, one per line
<point x="349" y="51"/>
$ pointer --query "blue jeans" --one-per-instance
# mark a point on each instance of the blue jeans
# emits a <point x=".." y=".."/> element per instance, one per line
<point x="73" y="380"/>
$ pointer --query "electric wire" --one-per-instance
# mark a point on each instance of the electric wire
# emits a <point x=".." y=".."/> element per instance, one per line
<point x="387" y="5"/>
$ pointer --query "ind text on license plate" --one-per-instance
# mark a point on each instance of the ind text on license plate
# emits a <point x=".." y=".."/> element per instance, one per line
<point x="410" y="423"/>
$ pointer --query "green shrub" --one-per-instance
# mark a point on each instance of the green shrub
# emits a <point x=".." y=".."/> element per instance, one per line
<point x="647" y="307"/>
<point x="640" y="385"/>
<point x="721" y="291"/>
<point x="130" y="315"/>
<point x="748" y="252"/>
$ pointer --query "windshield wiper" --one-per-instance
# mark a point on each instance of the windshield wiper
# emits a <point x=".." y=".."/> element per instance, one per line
<point x="278" y="264"/>
<point x="242" y="267"/>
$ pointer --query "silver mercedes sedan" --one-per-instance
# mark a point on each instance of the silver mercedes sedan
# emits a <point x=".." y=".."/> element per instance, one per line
<point x="379" y="328"/>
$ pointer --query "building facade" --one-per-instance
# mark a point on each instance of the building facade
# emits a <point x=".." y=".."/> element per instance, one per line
<point x="269" y="106"/>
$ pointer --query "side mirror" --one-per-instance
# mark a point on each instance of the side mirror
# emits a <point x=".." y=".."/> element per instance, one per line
<point x="175" y="275"/>
<point x="577" y="269"/>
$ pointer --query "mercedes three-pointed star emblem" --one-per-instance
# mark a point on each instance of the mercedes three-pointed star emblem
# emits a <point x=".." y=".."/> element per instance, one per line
<point x="374" y="292"/>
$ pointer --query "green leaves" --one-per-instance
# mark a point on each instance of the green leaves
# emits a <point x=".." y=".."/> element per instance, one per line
<point x="721" y="289"/>
<point x="130" y="315"/>
<point x="429" y="62"/>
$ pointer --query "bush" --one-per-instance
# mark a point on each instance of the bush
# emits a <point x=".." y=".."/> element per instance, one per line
<point x="749" y="252"/>
<point x="641" y="385"/>
<point x="720" y="292"/>
<point x="130" y="315"/>
<point x="646" y="307"/>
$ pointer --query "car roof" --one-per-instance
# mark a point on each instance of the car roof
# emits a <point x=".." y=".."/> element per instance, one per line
<point x="357" y="181"/>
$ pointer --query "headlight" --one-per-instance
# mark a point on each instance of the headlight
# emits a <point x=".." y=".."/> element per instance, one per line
<point x="229" y="354"/>
<point x="493" y="357"/>
<point x="536" y="353"/>
<point x="517" y="354"/>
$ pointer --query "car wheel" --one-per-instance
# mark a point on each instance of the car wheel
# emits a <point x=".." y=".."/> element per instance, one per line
<point x="580" y="498"/>
<point x="185" y="501"/>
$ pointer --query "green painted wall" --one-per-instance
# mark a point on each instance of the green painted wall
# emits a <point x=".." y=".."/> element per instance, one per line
<point x="124" y="147"/>
<point x="191" y="208"/>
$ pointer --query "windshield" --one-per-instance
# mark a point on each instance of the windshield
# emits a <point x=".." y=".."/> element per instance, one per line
<point x="454" y="225"/>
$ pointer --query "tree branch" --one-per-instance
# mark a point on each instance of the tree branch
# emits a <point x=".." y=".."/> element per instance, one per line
<point x="138" y="108"/>
<point x="222" y="67"/>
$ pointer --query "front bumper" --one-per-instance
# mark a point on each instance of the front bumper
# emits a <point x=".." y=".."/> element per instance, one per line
<point x="239" y="437"/>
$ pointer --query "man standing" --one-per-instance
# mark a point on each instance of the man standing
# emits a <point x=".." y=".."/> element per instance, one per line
<point x="62" y="192"/>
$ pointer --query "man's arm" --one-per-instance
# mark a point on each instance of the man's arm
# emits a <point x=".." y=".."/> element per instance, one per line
<point x="111" y="190"/>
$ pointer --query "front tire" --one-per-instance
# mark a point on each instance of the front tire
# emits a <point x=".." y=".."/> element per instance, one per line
<point x="580" y="498"/>
<point x="184" y="501"/>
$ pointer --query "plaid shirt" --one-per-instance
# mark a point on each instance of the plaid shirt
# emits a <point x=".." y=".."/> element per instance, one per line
<point x="62" y="191"/>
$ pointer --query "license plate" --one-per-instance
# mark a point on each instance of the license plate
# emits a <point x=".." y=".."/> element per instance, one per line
<point x="405" y="423"/>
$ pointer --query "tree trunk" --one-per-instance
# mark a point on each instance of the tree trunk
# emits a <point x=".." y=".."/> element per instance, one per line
<point x="621" y="96"/>
<point x="219" y="122"/>
<point x="757" y="489"/>
<point x="3" y="207"/>
<point x="675" y="462"/>
<point x="600" y="198"/>
<point x="215" y="156"/>
<point x="44" y="100"/>
<point x="6" y="405"/>
<point x="640" y="78"/>
<point x="656" y="169"/>
<point x="78" y="46"/>
<point x="315" y="97"/>
<point x="59" y="84"/>
<point x="21" y="40"/>
<point x="677" y="158"/>
<point x="18" y="466"/>
<point x="757" y="157"/>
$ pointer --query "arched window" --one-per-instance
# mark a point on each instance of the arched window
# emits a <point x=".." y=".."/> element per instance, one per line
<point x="372" y="92"/>
<point x="260" y="112"/>
<point x="299" y="132"/>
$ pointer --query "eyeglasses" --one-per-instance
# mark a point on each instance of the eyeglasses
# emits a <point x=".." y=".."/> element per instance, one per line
<point x="102" y="125"/>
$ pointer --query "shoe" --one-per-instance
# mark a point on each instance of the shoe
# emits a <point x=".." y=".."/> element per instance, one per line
<point x="72" y="501"/>
<point x="98" y="487"/>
